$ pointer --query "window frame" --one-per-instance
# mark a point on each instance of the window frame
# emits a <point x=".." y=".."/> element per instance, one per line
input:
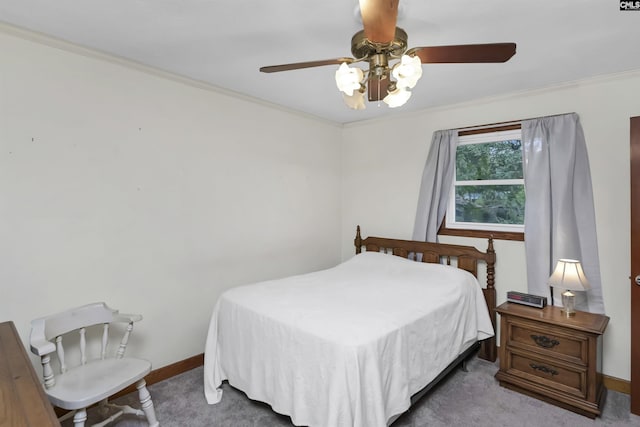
<point x="506" y="232"/>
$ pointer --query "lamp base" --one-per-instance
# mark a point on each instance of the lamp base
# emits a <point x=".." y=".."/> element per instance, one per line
<point x="568" y="303"/>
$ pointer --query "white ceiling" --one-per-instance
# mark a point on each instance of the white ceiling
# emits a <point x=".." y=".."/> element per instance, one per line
<point x="225" y="42"/>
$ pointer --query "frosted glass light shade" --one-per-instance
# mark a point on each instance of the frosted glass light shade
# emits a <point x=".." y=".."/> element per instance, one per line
<point x="348" y="79"/>
<point x="355" y="101"/>
<point x="397" y="97"/>
<point x="407" y="72"/>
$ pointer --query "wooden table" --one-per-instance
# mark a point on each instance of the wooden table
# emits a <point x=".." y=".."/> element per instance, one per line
<point x="23" y="402"/>
<point x="557" y="359"/>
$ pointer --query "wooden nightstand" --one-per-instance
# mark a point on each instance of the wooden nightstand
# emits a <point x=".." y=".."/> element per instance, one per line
<point x="551" y="357"/>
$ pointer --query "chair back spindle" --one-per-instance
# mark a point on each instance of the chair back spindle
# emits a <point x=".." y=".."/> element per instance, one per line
<point x="105" y="341"/>
<point x="124" y="341"/>
<point x="83" y="346"/>
<point x="60" y="351"/>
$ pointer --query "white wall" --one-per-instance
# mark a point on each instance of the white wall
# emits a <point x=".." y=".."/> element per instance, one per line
<point x="150" y="193"/>
<point x="383" y="162"/>
<point x="155" y="194"/>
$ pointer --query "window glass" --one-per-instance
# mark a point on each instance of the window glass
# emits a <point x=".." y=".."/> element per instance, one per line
<point x="488" y="192"/>
<point x="489" y="160"/>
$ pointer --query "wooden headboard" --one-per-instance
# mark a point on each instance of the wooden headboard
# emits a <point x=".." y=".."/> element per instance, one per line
<point x="465" y="257"/>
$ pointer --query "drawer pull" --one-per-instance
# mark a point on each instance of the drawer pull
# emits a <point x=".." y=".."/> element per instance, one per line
<point x="544" y="369"/>
<point x="544" y="341"/>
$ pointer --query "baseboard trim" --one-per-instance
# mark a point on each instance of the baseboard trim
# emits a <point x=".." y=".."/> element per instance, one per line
<point x="167" y="372"/>
<point x="616" y="384"/>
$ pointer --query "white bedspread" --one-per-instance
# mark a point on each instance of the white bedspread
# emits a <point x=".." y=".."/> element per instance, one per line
<point x="347" y="346"/>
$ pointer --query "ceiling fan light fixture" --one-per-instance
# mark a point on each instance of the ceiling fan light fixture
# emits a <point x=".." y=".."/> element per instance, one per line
<point x="397" y="97"/>
<point x="348" y="79"/>
<point x="355" y="101"/>
<point x="393" y="68"/>
<point x="408" y="71"/>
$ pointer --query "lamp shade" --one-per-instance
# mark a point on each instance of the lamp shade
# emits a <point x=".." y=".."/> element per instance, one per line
<point x="407" y="71"/>
<point x="355" y="101"/>
<point x="348" y="79"/>
<point x="397" y="97"/>
<point x="568" y="274"/>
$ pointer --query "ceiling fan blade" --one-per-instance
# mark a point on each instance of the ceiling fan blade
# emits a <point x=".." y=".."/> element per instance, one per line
<point x="379" y="19"/>
<point x="378" y="88"/>
<point x="308" y="64"/>
<point x="469" y="53"/>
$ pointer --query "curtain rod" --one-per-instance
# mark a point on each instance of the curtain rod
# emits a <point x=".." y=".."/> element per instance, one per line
<point x="509" y="123"/>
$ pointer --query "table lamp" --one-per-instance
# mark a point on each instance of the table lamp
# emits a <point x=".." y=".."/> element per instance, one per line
<point x="569" y="275"/>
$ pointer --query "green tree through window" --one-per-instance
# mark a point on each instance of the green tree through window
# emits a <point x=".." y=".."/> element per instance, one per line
<point x="496" y="204"/>
<point x="492" y="160"/>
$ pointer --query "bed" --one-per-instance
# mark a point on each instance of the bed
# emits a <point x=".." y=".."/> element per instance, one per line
<point x="356" y="344"/>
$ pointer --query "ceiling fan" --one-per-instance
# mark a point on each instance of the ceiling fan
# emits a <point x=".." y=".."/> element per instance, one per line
<point x="379" y="44"/>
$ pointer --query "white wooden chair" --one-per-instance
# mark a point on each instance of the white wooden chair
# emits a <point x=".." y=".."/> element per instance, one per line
<point x="91" y="381"/>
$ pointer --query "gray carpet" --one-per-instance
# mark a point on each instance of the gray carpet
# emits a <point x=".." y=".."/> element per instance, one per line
<point x="471" y="398"/>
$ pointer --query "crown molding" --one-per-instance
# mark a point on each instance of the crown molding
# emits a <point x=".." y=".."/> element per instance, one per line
<point x="57" y="43"/>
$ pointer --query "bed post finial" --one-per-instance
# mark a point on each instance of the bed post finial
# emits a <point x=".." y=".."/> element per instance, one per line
<point x="358" y="240"/>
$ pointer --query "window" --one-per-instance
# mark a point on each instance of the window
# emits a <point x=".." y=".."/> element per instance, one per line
<point x="488" y="190"/>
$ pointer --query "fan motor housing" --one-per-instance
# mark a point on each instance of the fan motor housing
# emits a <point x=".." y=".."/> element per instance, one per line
<point x="362" y="47"/>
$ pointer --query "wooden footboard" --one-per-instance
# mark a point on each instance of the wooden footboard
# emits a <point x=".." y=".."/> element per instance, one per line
<point x="464" y="257"/>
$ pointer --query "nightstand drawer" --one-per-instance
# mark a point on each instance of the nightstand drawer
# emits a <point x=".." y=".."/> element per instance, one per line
<point x="548" y="340"/>
<point x="567" y="378"/>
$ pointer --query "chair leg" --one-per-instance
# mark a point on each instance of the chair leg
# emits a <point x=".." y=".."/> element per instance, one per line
<point x="80" y="417"/>
<point x="147" y="403"/>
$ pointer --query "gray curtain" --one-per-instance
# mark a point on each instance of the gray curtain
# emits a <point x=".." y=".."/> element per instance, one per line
<point x="437" y="179"/>
<point x="559" y="210"/>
